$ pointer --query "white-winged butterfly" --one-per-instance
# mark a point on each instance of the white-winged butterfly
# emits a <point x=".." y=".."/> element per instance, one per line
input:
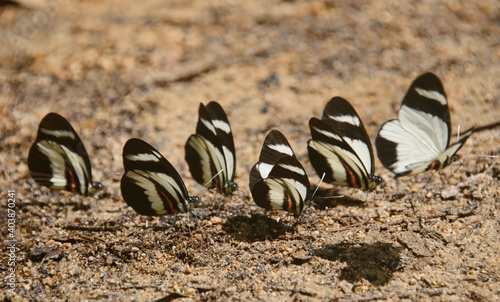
<point x="58" y="159"/>
<point x="151" y="185"/>
<point x="278" y="181"/>
<point x="340" y="147"/>
<point x="420" y="139"/>
<point x="211" y="150"/>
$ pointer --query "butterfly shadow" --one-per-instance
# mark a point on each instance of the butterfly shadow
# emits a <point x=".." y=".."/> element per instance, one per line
<point x="257" y="227"/>
<point x="328" y="198"/>
<point x="374" y="262"/>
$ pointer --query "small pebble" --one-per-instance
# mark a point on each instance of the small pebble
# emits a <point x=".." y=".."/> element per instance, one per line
<point x="449" y="192"/>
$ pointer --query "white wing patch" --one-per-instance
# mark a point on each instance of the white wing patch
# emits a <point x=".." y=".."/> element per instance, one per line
<point x="294" y="169"/>
<point x="229" y="159"/>
<point x="332" y="159"/>
<point x="281" y="148"/>
<point x="276" y="193"/>
<point x="208" y="153"/>
<point x="144" y="157"/>
<point x="277" y="188"/>
<point x="329" y="134"/>
<point x="141" y="178"/>
<point x="362" y="150"/>
<point x="58" y="133"/>
<point x="433" y="95"/>
<point x="79" y="167"/>
<point x="144" y="180"/>
<point x="57" y="154"/>
<point x="264" y="169"/>
<point x="296" y="187"/>
<point x="57" y="162"/>
<point x="350" y="119"/>
<point x="411" y="152"/>
<point x="430" y="130"/>
<point x="209" y="126"/>
<point x="221" y="125"/>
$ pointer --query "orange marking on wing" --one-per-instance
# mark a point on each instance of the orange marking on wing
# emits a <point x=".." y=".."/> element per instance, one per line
<point x="73" y="184"/>
<point x="216" y="179"/>
<point x="170" y="205"/>
<point x="289" y="208"/>
<point x="216" y="182"/>
<point x="431" y="167"/>
<point x="353" y="178"/>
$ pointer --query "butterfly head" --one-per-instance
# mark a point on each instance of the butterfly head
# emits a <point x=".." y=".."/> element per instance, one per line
<point x="94" y="187"/>
<point x="375" y="180"/>
<point x="192" y="200"/>
<point x="231" y="187"/>
<point x="310" y="204"/>
<point x="448" y="161"/>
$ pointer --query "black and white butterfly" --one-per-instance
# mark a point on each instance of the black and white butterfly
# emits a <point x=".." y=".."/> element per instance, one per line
<point x="58" y="159"/>
<point x="211" y="150"/>
<point x="340" y="147"/>
<point x="151" y="185"/>
<point x="420" y="139"/>
<point x="278" y="181"/>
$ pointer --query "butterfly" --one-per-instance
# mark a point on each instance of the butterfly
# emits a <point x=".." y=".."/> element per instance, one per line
<point x="151" y="185"/>
<point x="420" y="139"/>
<point x="211" y="150"/>
<point x="57" y="159"/>
<point x="340" y="147"/>
<point x="278" y="181"/>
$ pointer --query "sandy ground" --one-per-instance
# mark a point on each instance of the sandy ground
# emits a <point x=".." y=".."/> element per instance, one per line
<point x="122" y="69"/>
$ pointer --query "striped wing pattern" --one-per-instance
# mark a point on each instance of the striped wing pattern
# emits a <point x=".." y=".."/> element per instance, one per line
<point x="420" y="139"/>
<point x="58" y="159"/>
<point x="151" y="185"/>
<point x="211" y="150"/>
<point x="340" y="147"/>
<point x="278" y="181"/>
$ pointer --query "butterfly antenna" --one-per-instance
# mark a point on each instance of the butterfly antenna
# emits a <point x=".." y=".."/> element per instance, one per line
<point x="310" y="201"/>
<point x="487" y="127"/>
<point x="175" y="219"/>
<point x="198" y="222"/>
<point x="420" y="222"/>
<point x="352" y="192"/>
<point x="209" y="181"/>
<point x="317" y="188"/>
<point x="213" y="177"/>
<point x="187" y="216"/>
<point x="453" y="172"/>
<point x="220" y="203"/>
<point x="479" y="129"/>
<point x="481" y="155"/>
<point x="240" y="194"/>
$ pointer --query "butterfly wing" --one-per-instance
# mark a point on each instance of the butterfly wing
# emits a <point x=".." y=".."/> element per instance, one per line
<point x="58" y="159"/>
<point x="274" y="148"/>
<point x="225" y="136"/>
<point x="341" y="148"/>
<point x="278" y="181"/>
<point x="331" y="155"/>
<point x="211" y="149"/>
<point x="151" y="185"/>
<point x="420" y="140"/>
